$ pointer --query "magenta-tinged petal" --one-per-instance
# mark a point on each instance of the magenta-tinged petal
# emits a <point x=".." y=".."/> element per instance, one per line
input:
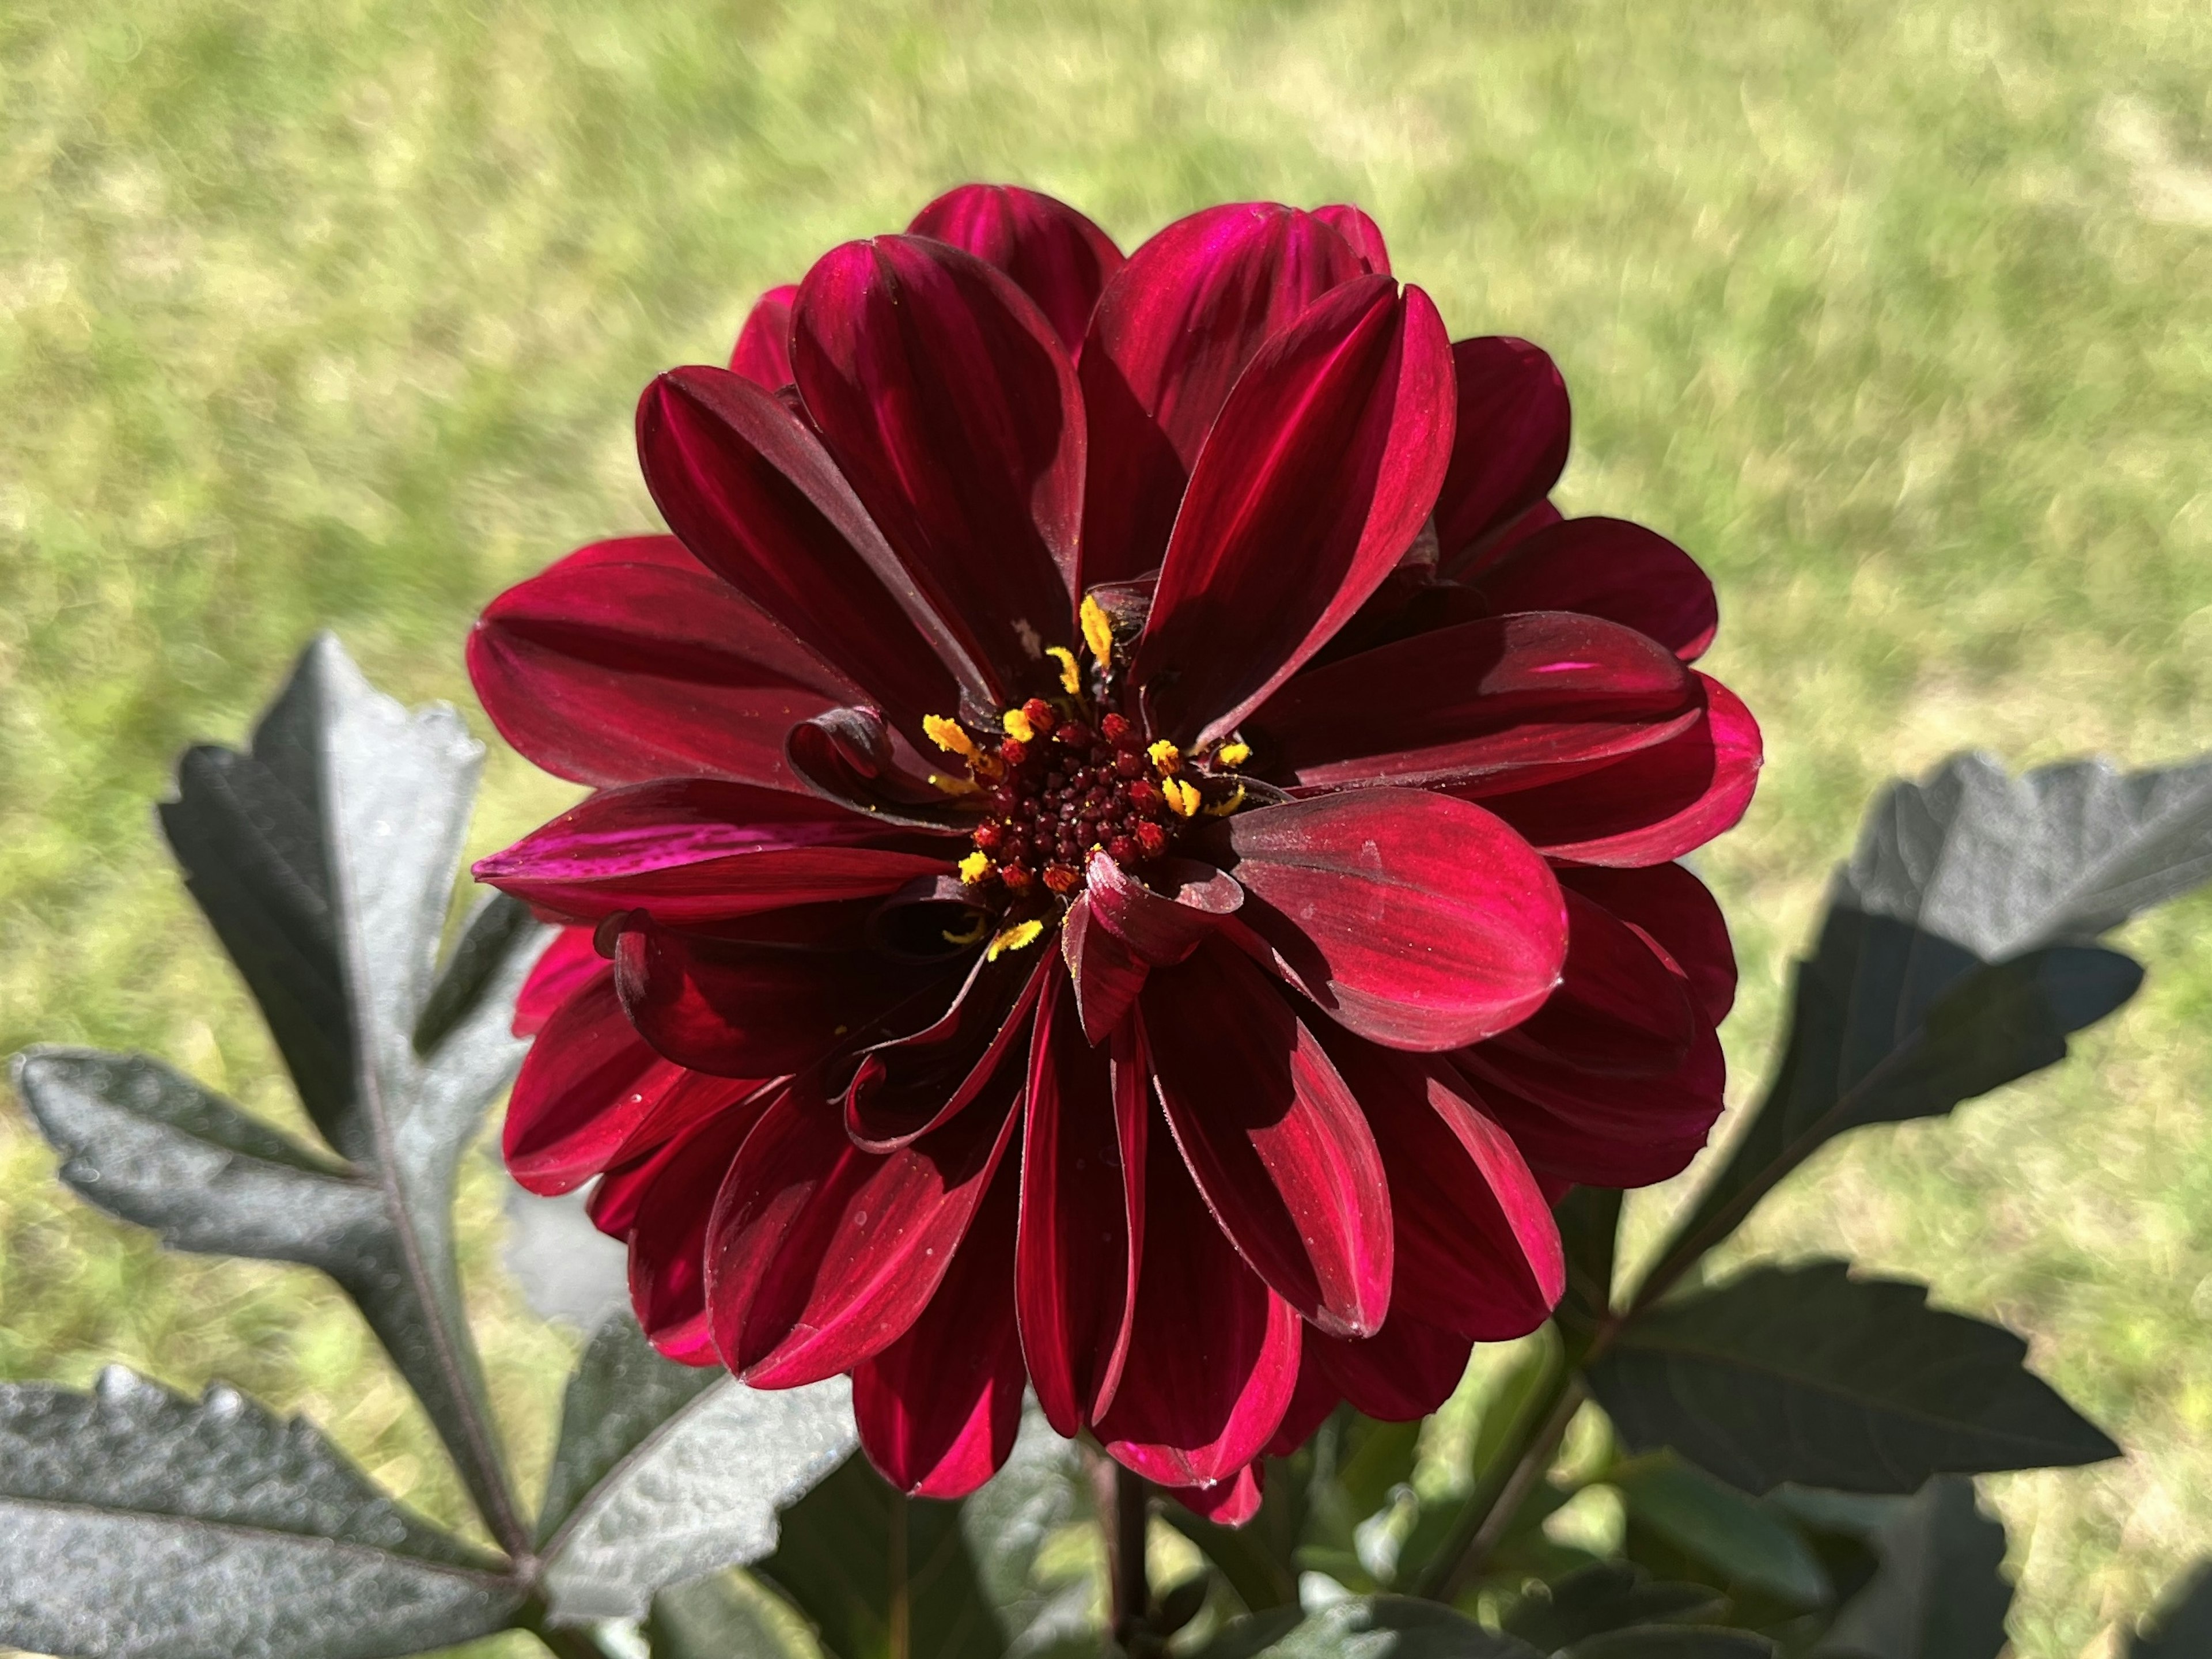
<point x="1402" y="1373"/>
<point x="1105" y="974"/>
<point x="1317" y="1396"/>
<point x="1163" y="922"/>
<point x="949" y="403"/>
<point x="611" y="670"/>
<point x="1621" y="1008"/>
<point x="938" y="1409"/>
<point x="762" y="354"/>
<point x="564" y="967"/>
<point x="909" y="1085"/>
<point x="1082" y="1208"/>
<point x="1228" y="1503"/>
<point x="1215" y="1356"/>
<point x="1275" y="1138"/>
<point x="1653" y="805"/>
<point x="1612" y="568"/>
<point x="673" y="1198"/>
<point x="1173" y="332"/>
<point x="701" y="850"/>
<point x="1315" y="478"/>
<point x="1485" y="701"/>
<point x="1055" y="254"/>
<point x="1362" y="233"/>
<point x="746" y="1007"/>
<point x="1673" y="910"/>
<point x="1514" y="422"/>
<point x="751" y="492"/>
<point x="586" y="1085"/>
<point x="1590" y="1127"/>
<point x="1414" y="920"/>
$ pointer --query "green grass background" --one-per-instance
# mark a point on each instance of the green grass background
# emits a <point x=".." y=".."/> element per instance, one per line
<point x="1899" y="315"/>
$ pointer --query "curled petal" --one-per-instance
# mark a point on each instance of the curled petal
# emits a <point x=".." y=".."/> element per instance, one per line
<point x="1362" y="233"/>
<point x="855" y="758"/>
<point x="1596" y="1127"/>
<point x="1275" y="1138"/>
<point x="762" y="354"/>
<point x="1172" y="333"/>
<point x="1055" y="254"/>
<point x="1414" y="920"/>
<point x="1106" y="974"/>
<point x="1511" y="446"/>
<point x="1315" y="478"/>
<point x="1612" y="568"/>
<point x="1159" y="926"/>
<point x="1622" y="1006"/>
<point x="630" y="660"/>
<point x="908" y="1085"/>
<point x="1674" y="912"/>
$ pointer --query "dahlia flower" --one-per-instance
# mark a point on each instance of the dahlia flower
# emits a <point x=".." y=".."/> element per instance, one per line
<point x="1130" y="850"/>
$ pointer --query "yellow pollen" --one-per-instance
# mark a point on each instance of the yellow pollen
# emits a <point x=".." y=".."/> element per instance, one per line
<point x="1165" y="756"/>
<point x="1014" y="939"/>
<point x="1017" y="726"/>
<point x="975" y="867"/>
<point x="1232" y="754"/>
<point x="978" y="925"/>
<point x="1071" y="675"/>
<point x="948" y="735"/>
<point x="1222" y="808"/>
<point x="953" y="786"/>
<point x="1183" y="796"/>
<point x="1097" y="633"/>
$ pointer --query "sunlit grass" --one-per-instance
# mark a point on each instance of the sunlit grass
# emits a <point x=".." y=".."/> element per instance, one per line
<point x="1896" y="314"/>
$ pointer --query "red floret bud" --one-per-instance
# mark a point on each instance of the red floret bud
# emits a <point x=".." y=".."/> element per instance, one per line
<point x="1041" y="715"/>
<point x="1145" y="795"/>
<point x="1123" y="848"/>
<point x="1153" y="839"/>
<point x="1015" y="876"/>
<point x="988" y="838"/>
<point x="1117" y="730"/>
<point x="1013" y="751"/>
<point x="1063" y="879"/>
<point x="1075" y="734"/>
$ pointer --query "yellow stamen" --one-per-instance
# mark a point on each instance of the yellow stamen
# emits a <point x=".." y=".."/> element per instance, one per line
<point x="975" y="867"/>
<point x="1232" y="754"/>
<point x="1017" y="726"/>
<point x="1183" y="796"/>
<point x="1228" y="804"/>
<point x="1097" y="633"/>
<point x="1014" y="939"/>
<point x="978" y="925"/>
<point x="1165" y="756"/>
<point x="948" y="735"/>
<point x="1071" y="674"/>
<point x="953" y="786"/>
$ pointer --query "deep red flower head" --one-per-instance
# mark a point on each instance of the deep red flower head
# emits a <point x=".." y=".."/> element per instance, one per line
<point x="1131" y="846"/>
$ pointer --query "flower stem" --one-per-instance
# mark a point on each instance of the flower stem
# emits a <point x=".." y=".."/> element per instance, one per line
<point x="1505" y="1487"/>
<point x="900" y="1638"/>
<point x="1124" y="1508"/>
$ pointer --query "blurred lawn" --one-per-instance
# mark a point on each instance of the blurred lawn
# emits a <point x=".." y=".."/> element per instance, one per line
<point x="1899" y="316"/>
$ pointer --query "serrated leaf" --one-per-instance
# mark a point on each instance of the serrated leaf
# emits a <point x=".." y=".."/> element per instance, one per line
<point x="1747" y="1544"/>
<point x="324" y="857"/>
<point x="727" y="1615"/>
<point x="1610" y="1596"/>
<point x="1804" y="1374"/>
<point x="1366" y="1627"/>
<point x="665" y="1472"/>
<point x="1939" y="1594"/>
<point x="1675" y="1642"/>
<point x="135" y="1524"/>
<point x="2181" y="1627"/>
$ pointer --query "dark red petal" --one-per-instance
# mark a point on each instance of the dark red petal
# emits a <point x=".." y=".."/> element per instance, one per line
<point x="1478" y="1252"/>
<point x="1672" y="908"/>
<point x="1172" y="334"/>
<point x="1164" y="921"/>
<point x="752" y="493"/>
<point x="1651" y="806"/>
<point x="587" y="1082"/>
<point x="1083" y="1205"/>
<point x="1055" y="255"/>
<point x="1215" y="1356"/>
<point x="1364" y="234"/>
<point x="1411" y="918"/>
<point x="1612" y="568"/>
<point x="610" y="671"/>
<point x="745" y="1008"/>
<point x="856" y="759"/>
<point x="949" y="402"/>
<point x="1401" y="1373"/>
<point x="1313" y="480"/>
<point x="762" y="354"/>
<point x="915" y="1082"/>
<point x="1485" y="702"/>
<point x="563" y="968"/>
<point x="1512" y="442"/>
<point x="1105" y="973"/>
<point x="702" y="849"/>
<point x="1622" y="1008"/>
<point x="820" y="1255"/>
<point x="673" y="1198"/>
<point x="1275" y="1138"/>
<point x="1316" y="1397"/>
<point x="1228" y="1503"/>
<point x="1578" y="1125"/>
<point x="938" y="1408"/>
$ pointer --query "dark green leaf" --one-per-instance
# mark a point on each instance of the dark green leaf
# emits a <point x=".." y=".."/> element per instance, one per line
<point x="665" y="1472"/>
<point x="133" y="1522"/>
<point x="1040" y="1492"/>
<point x="1366" y="1627"/>
<point x="1939" y="1594"/>
<point x="1675" y="1642"/>
<point x="325" y="858"/>
<point x="727" y="1615"/>
<point x="2181" y="1627"/>
<point x="1804" y="1374"/>
<point x="1749" y="1545"/>
<point x="1589" y="1228"/>
<point x="1612" y="1595"/>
